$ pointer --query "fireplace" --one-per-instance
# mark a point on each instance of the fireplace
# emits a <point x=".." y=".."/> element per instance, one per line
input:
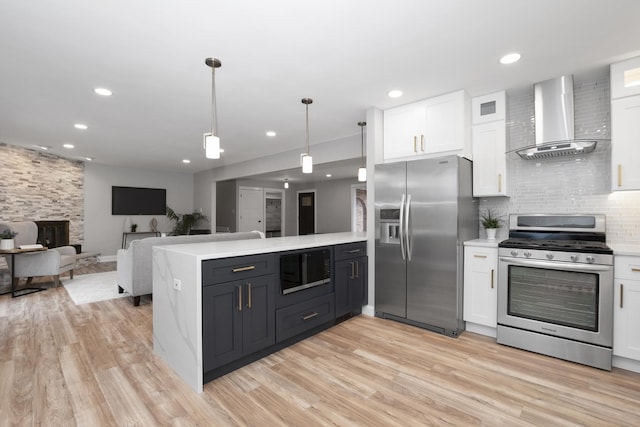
<point x="53" y="234"/>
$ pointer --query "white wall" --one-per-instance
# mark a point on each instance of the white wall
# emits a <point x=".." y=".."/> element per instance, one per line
<point x="103" y="231"/>
<point x="204" y="198"/>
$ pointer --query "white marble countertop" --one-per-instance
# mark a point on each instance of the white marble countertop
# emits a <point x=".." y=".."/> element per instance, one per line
<point x="625" y="249"/>
<point x="483" y="242"/>
<point x="232" y="248"/>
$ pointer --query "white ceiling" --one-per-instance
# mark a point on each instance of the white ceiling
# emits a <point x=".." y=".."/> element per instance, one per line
<point x="346" y="55"/>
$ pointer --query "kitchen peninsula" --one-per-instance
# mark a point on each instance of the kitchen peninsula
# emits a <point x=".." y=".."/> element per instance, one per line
<point x="220" y="305"/>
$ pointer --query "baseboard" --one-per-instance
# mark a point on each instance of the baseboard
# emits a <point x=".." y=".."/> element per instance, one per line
<point x="480" y="329"/>
<point x="368" y="310"/>
<point x="626" y="364"/>
<point x="106" y="258"/>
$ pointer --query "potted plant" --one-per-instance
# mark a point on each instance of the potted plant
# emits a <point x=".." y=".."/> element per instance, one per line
<point x="491" y="222"/>
<point x="184" y="222"/>
<point x="134" y="227"/>
<point x="6" y="239"/>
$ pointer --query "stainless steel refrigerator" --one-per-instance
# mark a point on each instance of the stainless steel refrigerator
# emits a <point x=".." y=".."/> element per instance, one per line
<point x="425" y="210"/>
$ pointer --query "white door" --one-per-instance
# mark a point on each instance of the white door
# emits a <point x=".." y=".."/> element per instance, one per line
<point x="251" y="209"/>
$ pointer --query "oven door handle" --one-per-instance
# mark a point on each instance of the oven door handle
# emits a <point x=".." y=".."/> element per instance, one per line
<point x="556" y="265"/>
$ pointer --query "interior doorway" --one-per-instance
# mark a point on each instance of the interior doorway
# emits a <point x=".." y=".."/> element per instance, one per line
<point x="274" y="212"/>
<point x="306" y="212"/>
<point x="359" y="207"/>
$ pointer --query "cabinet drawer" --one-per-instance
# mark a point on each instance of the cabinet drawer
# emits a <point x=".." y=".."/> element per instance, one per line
<point x="350" y="250"/>
<point x="296" y="319"/>
<point x="237" y="268"/>
<point x="627" y="267"/>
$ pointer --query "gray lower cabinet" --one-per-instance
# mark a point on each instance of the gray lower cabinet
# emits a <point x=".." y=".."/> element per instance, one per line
<point x="299" y="318"/>
<point x="350" y="278"/>
<point x="237" y="319"/>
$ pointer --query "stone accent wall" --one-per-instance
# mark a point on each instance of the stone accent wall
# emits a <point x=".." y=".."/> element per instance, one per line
<point x="38" y="186"/>
<point x="571" y="184"/>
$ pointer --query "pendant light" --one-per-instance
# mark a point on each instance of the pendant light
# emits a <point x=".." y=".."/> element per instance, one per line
<point x="286" y="183"/>
<point x="307" y="160"/>
<point x="211" y="140"/>
<point x="362" y="170"/>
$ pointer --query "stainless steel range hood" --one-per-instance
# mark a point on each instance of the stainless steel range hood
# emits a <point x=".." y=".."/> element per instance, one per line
<point x="554" y="127"/>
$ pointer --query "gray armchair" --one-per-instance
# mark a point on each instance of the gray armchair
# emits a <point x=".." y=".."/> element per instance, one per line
<point x="52" y="262"/>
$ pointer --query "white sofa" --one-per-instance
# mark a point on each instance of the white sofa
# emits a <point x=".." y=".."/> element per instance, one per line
<point x="52" y="262"/>
<point x="134" y="263"/>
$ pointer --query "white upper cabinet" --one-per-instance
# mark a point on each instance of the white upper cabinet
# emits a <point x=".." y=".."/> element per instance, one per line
<point x="427" y="128"/>
<point x="488" y="108"/>
<point x="625" y="143"/>
<point x="625" y="78"/>
<point x="489" y="145"/>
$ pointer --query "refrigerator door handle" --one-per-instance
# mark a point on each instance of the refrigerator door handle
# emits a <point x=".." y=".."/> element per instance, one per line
<point x="407" y="218"/>
<point x="401" y="231"/>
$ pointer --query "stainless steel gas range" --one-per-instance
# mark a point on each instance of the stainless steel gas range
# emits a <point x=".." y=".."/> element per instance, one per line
<point x="555" y="288"/>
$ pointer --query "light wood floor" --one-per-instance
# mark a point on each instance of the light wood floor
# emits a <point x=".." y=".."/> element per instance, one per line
<point x="93" y="364"/>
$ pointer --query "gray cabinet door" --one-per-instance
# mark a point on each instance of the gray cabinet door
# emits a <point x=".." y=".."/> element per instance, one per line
<point x="350" y="285"/>
<point x="258" y="318"/>
<point x="221" y="324"/>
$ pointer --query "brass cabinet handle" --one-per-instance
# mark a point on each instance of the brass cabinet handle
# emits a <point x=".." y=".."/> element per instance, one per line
<point x="621" y="295"/>
<point x="357" y="269"/>
<point x="249" y="295"/>
<point x="492" y="274"/>
<point x="422" y="142"/>
<point x="635" y="270"/>
<point x="309" y="316"/>
<point x="619" y="175"/>
<point x="415" y="144"/>
<point x="239" y="297"/>
<point x="479" y="256"/>
<point x="239" y="269"/>
<point x="353" y="271"/>
<point x="499" y="182"/>
<point x="354" y="251"/>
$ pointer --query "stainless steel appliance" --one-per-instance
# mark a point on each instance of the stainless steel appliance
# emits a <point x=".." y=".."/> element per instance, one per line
<point x="424" y="213"/>
<point x="555" y="288"/>
<point x="304" y="269"/>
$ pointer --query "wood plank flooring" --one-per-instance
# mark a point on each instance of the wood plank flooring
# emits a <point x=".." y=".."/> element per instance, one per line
<point x="93" y="364"/>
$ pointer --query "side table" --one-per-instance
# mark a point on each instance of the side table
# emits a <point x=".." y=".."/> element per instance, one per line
<point x="13" y="253"/>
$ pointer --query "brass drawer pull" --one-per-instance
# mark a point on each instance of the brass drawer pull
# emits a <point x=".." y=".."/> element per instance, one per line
<point x="619" y="175"/>
<point x="249" y="295"/>
<point x="422" y="142"/>
<point x="354" y="251"/>
<point x="635" y="270"/>
<point x="479" y="256"/>
<point x="240" y="269"/>
<point x="415" y="144"/>
<point x="499" y="183"/>
<point x="353" y="270"/>
<point x="309" y="316"/>
<point x="492" y="274"/>
<point x="621" y="295"/>
<point x="239" y="298"/>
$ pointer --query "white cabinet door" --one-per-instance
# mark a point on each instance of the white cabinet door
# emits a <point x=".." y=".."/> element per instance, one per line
<point x="427" y="128"/>
<point x="489" y="159"/>
<point x="625" y="143"/>
<point x="626" y="319"/>
<point x="625" y="78"/>
<point x="404" y="129"/>
<point x="480" y="285"/>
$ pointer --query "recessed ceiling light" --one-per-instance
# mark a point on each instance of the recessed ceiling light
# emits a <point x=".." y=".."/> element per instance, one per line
<point x="395" y="93"/>
<point x="81" y="126"/>
<point x="328" y="175"/>
<point x="271" y="133"/>
<point x="186" y="161"/>
<point x="67" y="145"/>
<point x="89" y="159"/>
<point x="103" y="91"/>
<point x="43" y="147"/>
<point x="510" y="58"/>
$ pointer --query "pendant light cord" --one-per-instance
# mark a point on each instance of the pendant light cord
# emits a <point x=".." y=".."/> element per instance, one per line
<point x="362" y="125"/>
<point x="214" y="111"/>
<point x="307" y="124"/>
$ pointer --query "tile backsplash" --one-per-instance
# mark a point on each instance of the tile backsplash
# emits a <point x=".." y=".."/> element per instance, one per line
<point x="571" y="184"/>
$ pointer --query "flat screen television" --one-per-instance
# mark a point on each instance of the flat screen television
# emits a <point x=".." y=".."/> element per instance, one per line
<point x="138" y="201"/>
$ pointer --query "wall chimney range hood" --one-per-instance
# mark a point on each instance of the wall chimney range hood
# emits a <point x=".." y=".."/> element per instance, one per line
<point x="554" y="127"/>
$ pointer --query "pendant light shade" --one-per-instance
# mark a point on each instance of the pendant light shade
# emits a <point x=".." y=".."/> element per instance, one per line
<point x="286" y="183"/>
<point x="307" y="160"/>
<point x="211" y="140"/>
<point x="362" y="170"/>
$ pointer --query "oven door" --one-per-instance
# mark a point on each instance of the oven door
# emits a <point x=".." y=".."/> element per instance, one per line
<point x="573" y="301"/>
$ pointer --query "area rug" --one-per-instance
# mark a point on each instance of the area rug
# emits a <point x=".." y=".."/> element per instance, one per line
<point x="95" y="287"/>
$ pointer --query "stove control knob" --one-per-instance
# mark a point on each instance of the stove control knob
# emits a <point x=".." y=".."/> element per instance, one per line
<point x="591" y="259"/>
<point x="514" y="253"/>
<point x="549" y="256"/>
<point x="575" y="258"/>
<point x="527" y="254"/>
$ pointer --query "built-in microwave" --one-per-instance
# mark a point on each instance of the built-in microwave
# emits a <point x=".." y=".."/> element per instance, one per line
<point x="302" y="270"/>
